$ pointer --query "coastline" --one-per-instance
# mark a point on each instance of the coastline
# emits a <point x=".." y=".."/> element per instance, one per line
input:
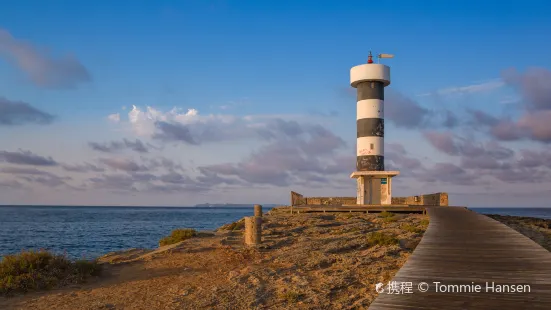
<point x="306" y="261"/>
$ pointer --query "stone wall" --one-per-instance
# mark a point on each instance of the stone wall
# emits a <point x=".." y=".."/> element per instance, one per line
<point x="335" y="201"/>
<point x="436" y="199"/>
<point x="297" y="200"/>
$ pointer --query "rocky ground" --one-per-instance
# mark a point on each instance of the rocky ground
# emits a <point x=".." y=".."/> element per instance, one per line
<point x="306" y="261"/>
<point x="539" y="230"/>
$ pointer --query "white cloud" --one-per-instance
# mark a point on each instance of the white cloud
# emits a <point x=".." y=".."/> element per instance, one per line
<point x="116" y="117"/>
<point x="486" y="86"/>
<point x="509" y="100"/>
<point x="189" y="126"/>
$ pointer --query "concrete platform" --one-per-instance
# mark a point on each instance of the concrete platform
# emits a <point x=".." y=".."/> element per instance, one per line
<point x="359" y="208"/>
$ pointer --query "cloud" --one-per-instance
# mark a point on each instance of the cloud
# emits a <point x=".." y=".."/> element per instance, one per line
<point x="404" y="112"/>
<point x="485" y="86"/>
<point x="489" y="159"/>
<point x="26" y="158"/>
<point x="442" y="141"/>
<point x="18" y="112"/>
<point x="148" y="183"/>
<point x="535" y="109"/>
<point x="114" y="182"/>
<point x="116" y="117"/>
<point x="10" y="184"/>
<point x="24" y="171"/>
<point x="296" y="153"/>
<point x="193" y="128"/>
<point x="447" y="173"/>
<point x="397" y="158"/>
<point x="33" y="175"/>
<point x="115" y="146"/>
<point x="174" y="132"/>
<point x="123" y="164"/>
<point x="407" y="113"/>
<point x="162" y="162"/>
<point x="533" y="85"/>
<point x="43" y="69"/>
<point x="86" y="167"/>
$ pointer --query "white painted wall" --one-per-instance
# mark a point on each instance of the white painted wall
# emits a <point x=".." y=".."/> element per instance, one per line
<point x="369" y="72"/>
<point x="370" y="108"/>
<point x="363" y="146"/>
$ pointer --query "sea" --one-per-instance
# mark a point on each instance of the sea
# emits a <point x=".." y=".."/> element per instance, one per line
<point x="88" y="232"/>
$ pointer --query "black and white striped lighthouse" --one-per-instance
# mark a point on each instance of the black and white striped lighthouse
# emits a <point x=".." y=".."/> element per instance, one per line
<point x="370" y="81"/>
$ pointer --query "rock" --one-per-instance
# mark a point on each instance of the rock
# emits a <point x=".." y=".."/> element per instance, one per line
<point x="232" y="275"/>
<point x="254" y="280"/>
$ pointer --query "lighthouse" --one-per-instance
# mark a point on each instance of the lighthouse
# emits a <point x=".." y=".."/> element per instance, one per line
<point x="374" y="184"/>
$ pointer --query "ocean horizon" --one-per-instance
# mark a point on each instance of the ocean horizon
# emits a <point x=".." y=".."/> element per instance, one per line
<point x="92" y="231"/>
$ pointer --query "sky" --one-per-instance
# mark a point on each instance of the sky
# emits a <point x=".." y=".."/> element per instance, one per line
<point x="174" y="103"/>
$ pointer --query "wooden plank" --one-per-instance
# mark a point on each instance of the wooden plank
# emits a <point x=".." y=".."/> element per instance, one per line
<point x="461" y="248"/>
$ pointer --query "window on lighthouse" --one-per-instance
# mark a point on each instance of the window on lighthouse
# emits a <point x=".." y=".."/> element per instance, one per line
<point x="371" y="146"/>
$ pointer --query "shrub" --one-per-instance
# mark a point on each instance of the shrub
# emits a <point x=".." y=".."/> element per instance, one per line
<point x="178" y="235"/>
<point x="424" y="222"/>
<point x="239" y="225"/>
<point x="33" y="270"/>
<point x="386" y="214"/>
<point x="379" y="238"/>
<point x="291" y="296"/>
<point x="390" y="219"/>
<point x="412" y="228"/>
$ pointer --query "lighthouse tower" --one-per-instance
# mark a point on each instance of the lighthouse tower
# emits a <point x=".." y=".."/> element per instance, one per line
<point x="373" y="182"/>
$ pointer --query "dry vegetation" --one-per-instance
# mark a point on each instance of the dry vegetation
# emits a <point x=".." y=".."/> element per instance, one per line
<point x="306" y="261"/>
<point x="539" y="230"/>
<point x="178" y="235"/>
<point x="39" y="270"/>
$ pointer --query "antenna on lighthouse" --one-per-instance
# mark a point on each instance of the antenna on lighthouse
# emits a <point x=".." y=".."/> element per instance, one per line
<point x="383" y="56"/>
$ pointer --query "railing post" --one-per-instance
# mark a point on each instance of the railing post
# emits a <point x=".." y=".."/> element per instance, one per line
<point x="253" y="230"/>
<point x="258" y="210"/>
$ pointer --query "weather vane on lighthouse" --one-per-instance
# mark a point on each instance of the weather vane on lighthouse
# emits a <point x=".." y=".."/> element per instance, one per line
<point x="370" y="57"/>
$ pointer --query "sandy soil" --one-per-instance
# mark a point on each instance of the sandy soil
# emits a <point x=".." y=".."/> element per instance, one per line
<point x="539" y="230"/>
<point x="306" y="261"/>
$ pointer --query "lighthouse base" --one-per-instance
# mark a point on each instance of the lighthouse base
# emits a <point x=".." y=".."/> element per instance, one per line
<point x="374" y="187"/>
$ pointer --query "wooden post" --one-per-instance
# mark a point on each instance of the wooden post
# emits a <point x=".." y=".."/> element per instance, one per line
<point x="258" y="210"/>
<point x="253" y="230"/>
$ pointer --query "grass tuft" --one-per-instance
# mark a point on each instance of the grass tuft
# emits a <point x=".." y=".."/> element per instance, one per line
<point x="291" y="296"/>
<point x="379" y="238"/>
<point x="412" y="228"/>
<point x="386" y="214"/>
<point x="36" y="270"/>
<point x="239" y="225"/>
<point x="178" y="235"/>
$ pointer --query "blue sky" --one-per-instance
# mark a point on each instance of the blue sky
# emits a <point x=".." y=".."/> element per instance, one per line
<point x="256" y="71"/>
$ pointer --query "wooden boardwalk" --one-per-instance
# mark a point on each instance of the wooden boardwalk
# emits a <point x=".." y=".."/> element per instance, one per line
<point x="461" y="247"/>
